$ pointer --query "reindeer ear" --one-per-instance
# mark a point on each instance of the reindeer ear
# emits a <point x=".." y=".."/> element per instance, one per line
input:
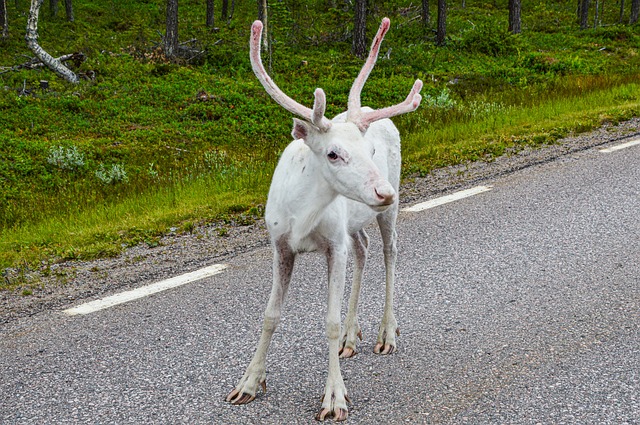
<point x="301" y="129"/>
<point x="309" y="133"/>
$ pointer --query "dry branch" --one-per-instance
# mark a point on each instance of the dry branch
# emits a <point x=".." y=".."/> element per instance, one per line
<point x="34" y="63"/>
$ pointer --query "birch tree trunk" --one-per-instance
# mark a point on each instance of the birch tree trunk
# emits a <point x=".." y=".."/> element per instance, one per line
<point x="32" y="41"/>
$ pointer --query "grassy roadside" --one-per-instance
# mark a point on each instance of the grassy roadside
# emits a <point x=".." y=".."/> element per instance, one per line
<point x="490" y="134"/>
<point x="151" y="145"/>
<point x="106" y="230"/>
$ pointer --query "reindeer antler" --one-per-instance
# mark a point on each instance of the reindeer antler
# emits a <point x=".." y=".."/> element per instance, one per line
<point x="354" y="109"/>
<point x="315" y="115"/>
<point x="353" y="105"/>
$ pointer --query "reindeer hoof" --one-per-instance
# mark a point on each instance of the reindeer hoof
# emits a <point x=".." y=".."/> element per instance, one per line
<point x="346" y="353"/>
<point x="238" y="397"/>
<point x="348" y="348"/>
<point x="337" y="414"/>
<point x="386" y="347"/>
<point x="333" y="408"/>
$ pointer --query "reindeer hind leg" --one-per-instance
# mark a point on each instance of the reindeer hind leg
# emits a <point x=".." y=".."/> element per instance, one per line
<point x="386" y="343"/>
<point x="351" y="329"/>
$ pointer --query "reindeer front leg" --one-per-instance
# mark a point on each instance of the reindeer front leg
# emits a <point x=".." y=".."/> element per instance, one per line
<point x="334" y="401"/>
<point x="256" y="375"/>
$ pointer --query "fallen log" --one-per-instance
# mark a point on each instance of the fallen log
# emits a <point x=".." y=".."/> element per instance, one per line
<point x="32" y="41"/>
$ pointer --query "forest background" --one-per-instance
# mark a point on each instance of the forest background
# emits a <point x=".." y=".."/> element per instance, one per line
<point x="167" y="128"/>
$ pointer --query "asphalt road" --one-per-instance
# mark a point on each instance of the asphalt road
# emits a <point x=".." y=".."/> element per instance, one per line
<point x="520" y="305"/>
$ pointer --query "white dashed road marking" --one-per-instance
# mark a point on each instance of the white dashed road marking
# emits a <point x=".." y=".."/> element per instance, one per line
<point x="134" y="294"/>
<point x="446" y="199"/>
<point x="628" y="144"/>
<point x="174" y="282"/>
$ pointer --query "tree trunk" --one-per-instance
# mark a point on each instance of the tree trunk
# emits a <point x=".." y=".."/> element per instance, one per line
<point x="233" y="8"/>
<point x="53" y="7"/>
<point x="426" y="18"/>
<point x="579" y="10"/>
<point x="171" y="37"/>
<point x="621" y="11"/>
<point x="263" y="15"/>
<point x="210" y="20"/>
<point x="442" y="23"/>
<point x="225" y="10"/>
<point x="32" y="41"/>
<point x="635" y="11"/>
<point x="68" y="7"/>
<point x="584" y="14"/>
<point x="4" y="20"/>
<point x="514" y="16"/>
<point x="260" y="12"/>
<point x="597" y="16"/>
<point x="359" y="44"/>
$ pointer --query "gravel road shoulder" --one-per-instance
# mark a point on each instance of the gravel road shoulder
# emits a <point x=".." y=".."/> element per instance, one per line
<point x="180" y="253"/>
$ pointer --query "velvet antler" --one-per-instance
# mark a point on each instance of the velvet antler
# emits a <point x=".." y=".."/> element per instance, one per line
<point x="314" y="116"/>
<point x="364" y="119"/>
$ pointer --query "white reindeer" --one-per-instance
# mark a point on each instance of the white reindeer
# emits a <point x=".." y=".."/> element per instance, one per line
<point x="331" y="181"/>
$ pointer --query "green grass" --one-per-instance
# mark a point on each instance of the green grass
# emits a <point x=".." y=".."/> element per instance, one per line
<point x="105" y="229"/>
<point x="89" y="169"/>
<point x="486" y="130"/>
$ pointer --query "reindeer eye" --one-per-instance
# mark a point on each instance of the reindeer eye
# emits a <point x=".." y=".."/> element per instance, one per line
<point x="332" y="155"/>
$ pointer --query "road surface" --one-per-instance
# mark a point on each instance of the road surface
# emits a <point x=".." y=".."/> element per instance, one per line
<point x="518" y="305"/>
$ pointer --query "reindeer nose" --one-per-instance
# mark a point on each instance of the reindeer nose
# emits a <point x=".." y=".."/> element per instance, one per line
<point x="386" y="195"/>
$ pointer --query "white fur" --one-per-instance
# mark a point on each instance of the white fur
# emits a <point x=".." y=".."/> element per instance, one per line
<point x="330" y="182"/>
<point x="311" y="198"/>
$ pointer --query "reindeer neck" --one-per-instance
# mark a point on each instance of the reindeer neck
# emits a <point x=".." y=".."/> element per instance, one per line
<point x="300" y="196"/>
